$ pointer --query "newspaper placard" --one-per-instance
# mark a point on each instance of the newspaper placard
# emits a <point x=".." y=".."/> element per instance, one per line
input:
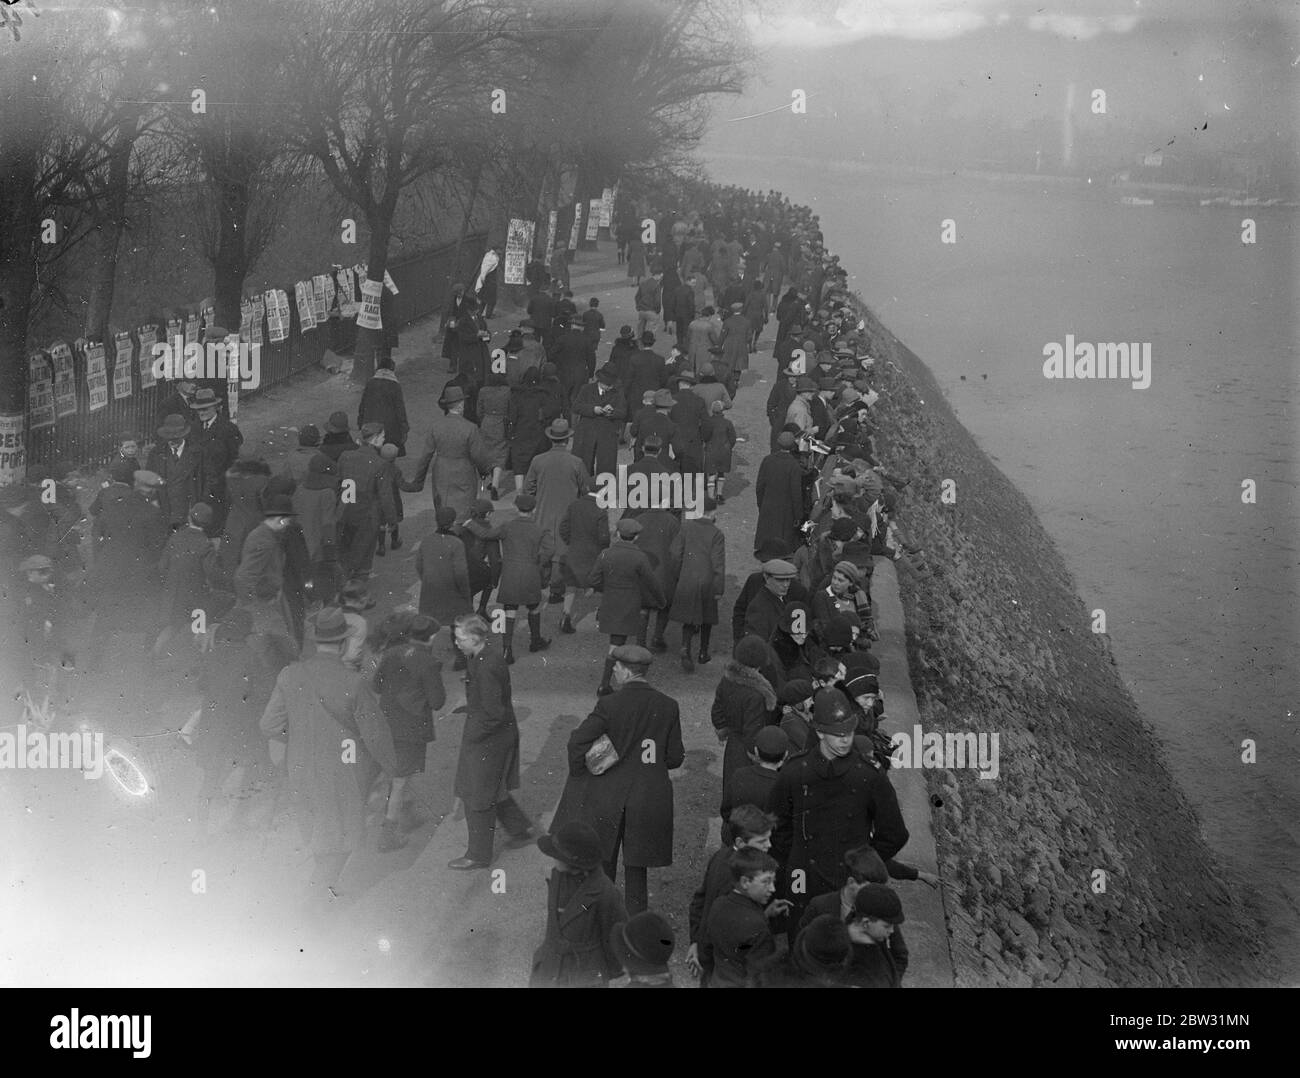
<point x="209" y="315"/>
<point x="322" y="293"/>
<point x="40" y="398"/>
<point x="388" y="283"/>
<point x="347" y="292"/>
<point x="192" y="334"/>
<point x="607" y="207"/>
<point x="277" y="315"/>
<point x="148" y="337"/>
<point x="593" y="218"/>
<point x="519" y="241"/>
<point x="370" y="318"/>
<point x="552" y="223"/>
<point x="259" y="319"/>
<point x="245" y="319"/>
<point x="96" y="375"/>
<point x="175" y="328"/>
<point x="123" y="356"/>
<point x="574" y="232"/>
<point x="304" y="295"/>
<point x="13" y="452"/>
<point x="65" y="380"/>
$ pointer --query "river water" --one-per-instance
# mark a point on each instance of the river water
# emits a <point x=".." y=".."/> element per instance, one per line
<point x="1140" y="488"/>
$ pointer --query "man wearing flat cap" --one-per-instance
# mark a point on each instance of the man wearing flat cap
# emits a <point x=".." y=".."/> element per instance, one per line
<point x="627" y="583"/>
<point x="179" y="461"/>
<point x="364" y="498"/>
<point x="827" y="800"/>
<point x="631" y="803"/>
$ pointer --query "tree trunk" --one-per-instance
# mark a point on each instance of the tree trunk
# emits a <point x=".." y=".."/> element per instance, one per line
<point x="108" y="232"/>
<point x="230" y="265"/>
<point x="465" y="223"/>
<point x="19" y="225"/>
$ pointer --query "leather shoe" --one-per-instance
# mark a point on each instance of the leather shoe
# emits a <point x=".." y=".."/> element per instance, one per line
<point x="464" y="864"/>
<point x="604" y="690"/>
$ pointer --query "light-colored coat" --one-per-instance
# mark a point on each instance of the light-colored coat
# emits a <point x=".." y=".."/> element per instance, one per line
<point x="459" y="458"/>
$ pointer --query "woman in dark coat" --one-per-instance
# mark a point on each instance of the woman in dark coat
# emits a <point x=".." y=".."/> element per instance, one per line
<point x="699" y="558"/>
<point x="555" y="403"/>
<point x="382" y="401"/>
<point x="450" y="317"/>
<point x="493" y="418"/>
<point x="794" y="643"/>
<point x="585" y="533"/>
<point x="636" y="259"/>
<point x="524" y="427"/>
<point x="443" y="569"/>
<point x="471" y="342"/>
<point x="789" y="313"/>
<point x="743" y="704"/>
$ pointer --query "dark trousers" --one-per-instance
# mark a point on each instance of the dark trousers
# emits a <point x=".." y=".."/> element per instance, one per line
<point x="358" y="536"/>
<point x="636" y="885"/>
<point x="482" y="825"/>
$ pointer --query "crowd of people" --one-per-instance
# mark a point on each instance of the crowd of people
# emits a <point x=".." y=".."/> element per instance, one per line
<point x="260" y="570"/>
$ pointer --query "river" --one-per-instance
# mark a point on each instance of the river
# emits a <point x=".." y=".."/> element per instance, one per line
<point x="1142" y="489"/>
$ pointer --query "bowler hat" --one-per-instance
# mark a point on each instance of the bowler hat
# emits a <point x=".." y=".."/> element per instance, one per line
<point x="643" y="943"/>
<point x="424" y="628"/>
<point x="878" y="901"/>
<point x="204" y="398"/>
<point x="337" y="423"/>
<point x="628" y="528"/>
<point x="329" y="626"/>
<point x="823" y="947"/>
<point x="173" y="427"/>
<point x="632" y="655"/>
<point x="280" y="505"/>
<point x="833" y="714"/>
<point x="525" y="503"/>
<point x="452" y="395"/>
<point x="559" y="430"/>
<point x="607" y="374"/>
<point x="750" y="651"/>
<point x="575" y="843"/>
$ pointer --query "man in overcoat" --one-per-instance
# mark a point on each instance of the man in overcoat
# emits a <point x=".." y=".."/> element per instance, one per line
<point x="828" y="800"/>
<point x="626" y="580"/>
<point x="631" y="804"/>
<point x="218" y="440"/>
<point x="699" y="566"/>
<point x="178" y="459"/>
<point x="584" y="531"/>
<point x="556" y="479"/>
<point x="365" y="498"/>
<point x="779" y="492"/>
<point x="527" y="553"/>
<point x="488" y="768"/>
<point x="599" y="412"/>
<point x="458" y="455"/>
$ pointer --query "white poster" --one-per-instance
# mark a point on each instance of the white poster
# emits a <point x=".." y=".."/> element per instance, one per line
<point x="13" y="454"/>
<point x="96" y="375"/>
<point x="607" y="207"/>
<point x="322" y="294"/>
<point x="304" y="296"/>
<point x="347" y="293"/>
<point x="65" y="380"/>
<point x="259" y="319"/>
<point x="552" y="223"/>
<point x="369" y="318"/>
<point x="593" y="218"/>
<point x="175" y="328"/>
<point x="40" y="393"/>
<point x="192" y="334"/>
<point x="123" y="355"/>
<point x="277" y="315"/>
<point x="577" y="224"/>
<point x="245" y="319"/>
<point x="519" y="242"/>
<point x="148" y="337"/>
<point x="388" y="283"/>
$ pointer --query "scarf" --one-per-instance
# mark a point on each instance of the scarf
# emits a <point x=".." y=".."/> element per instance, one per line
<point x="748" y="676"/>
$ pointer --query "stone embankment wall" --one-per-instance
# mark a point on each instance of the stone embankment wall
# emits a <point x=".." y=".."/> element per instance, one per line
<point x="998" y="640"/>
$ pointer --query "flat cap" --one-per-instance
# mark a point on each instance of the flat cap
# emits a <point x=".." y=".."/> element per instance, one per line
<point x="629" y="528"/>
<point x="632" y="655"/>
<point x="779" y="568"/>
<point x="525" y="503"/>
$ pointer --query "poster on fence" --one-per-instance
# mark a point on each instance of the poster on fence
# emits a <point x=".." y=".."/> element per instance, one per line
<point x="607" y="207"/>
<point x="40" y="393"/>
<point x="65" y="380"/>
<point x="13" y="453"/>
<point x="322" y="295"/>
<point x="370" y="318"/>
<point x="175" y="328"/>
<point x="519" y="241"/>
<point x="574" y="232"/>
<point x="259" y="319"/>
<point x="192" y="334"/>
<point x="148" y="337"/>
<point x="304" y="296"/>
<point x="96" y="375"/>
<point x="347" y="281"/>
<point x="593" y="218"/>
<point x="552" y="223"/>
<point x="245" y="319"/>
<point x="209" y="315"/>
<point x="277" y="315"/>
<point x="123" y="354"/>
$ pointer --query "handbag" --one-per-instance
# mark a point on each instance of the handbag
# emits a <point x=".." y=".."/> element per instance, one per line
<point x="602" y="755"/>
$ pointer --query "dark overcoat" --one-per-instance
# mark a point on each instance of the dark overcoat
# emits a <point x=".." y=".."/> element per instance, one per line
<point x="645" y="370"/>
<point x="524" y="426"/>
<point x="409" y="685"/>
<point x="581" y="912"/>
<point x="585" y="533"/>
<point x="688" y="416"/>
<point x="779" y="491"/>
<point x="659" y="528"/>
<point x="626" y="581"/>
<point x="526" y="554"/>
<point x="636" y="794"/>
<point x="184" y="573"/>
<point x="132" y="536"/>
<point x="182" y="478"/>
<point x="443" y="569"/>
<point x="595" y="437"/>
<point x="382" y="402"/>
<point x="741" y="710"/>
<point x="699" y="557"/>
<point x="488" y="768"/>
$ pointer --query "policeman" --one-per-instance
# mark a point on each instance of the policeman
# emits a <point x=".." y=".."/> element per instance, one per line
<point x="827" y="800"/>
